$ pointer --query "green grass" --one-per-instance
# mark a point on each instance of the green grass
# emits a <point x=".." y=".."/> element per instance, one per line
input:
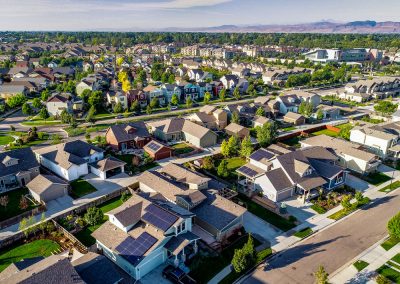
<point x="290" y="128"/>
<point x="343" y="212"/>
<point x="389" y="273"/>
<point x="396" y="258"/>
<point x="269" y="216"/>
<point x="376" y="178"/>
<point x="341" y="126"/>
<point x="326" y="132"/>
<point x="235" y="163"/>
<point x="12" y="209"/>
<point x="303" y="233"/>
<point x="40" y="122"/>
<point x="81" y="188"/>
<point x="5" y="139"/>
<point x="182" y="148"/>
<point x="390" y="187"/>
<point x="318" y="208"/>
<point x="294" y="142"/>
<point x="34" y="249"/>
<point x="360" y="264"/>
<point x="389" y="243"/>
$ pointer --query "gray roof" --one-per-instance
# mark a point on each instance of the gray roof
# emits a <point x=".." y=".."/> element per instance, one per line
<point x="279" y="179"/>
<point x="107" y="164"/>
<point x="26" y="161"/>
<point x="138" y="130"/>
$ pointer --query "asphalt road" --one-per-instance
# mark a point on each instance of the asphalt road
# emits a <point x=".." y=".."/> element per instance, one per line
<point x="332" y="248"/>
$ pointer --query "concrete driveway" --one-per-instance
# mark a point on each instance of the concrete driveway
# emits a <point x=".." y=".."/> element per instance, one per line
<point x="258" y="227"/>
<point x="111" y="184"/>
<point x="357" y="183"/>
<point x="388" y="171"/>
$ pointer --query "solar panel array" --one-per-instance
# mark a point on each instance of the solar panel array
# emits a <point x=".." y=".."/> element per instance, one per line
<point x="159" y="217"/>
<point x="247" y="171"/>
<point x="132" y="250"/>
<point x="154" y="146"/>
<point x="260" y="154"/>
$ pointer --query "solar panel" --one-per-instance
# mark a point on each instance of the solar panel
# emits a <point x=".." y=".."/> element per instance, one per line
<point x="247" y="171"/>
<point x="132" y="250"/>
<point x="260" y="154"/>
<point x="159" y="217"/>
<point x="154" y="146"/>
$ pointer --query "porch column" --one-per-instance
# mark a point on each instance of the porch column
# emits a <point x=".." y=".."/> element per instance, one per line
<point x="195" y="247"/>
<point x="176" y="261"/>
<point x="183" y="258"/>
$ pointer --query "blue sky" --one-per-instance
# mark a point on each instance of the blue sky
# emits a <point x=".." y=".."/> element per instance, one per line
<point x="131" y="15"/>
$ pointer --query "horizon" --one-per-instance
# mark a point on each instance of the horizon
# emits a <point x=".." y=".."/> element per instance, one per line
<point x="159" y="15"/>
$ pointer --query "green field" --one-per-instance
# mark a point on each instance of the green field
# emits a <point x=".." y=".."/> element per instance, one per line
<point x="326" y="132"/>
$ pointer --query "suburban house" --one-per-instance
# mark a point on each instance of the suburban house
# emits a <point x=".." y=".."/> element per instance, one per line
<point x="230" y="82"/>
<point x="210" y="117"/>
<point x="7" y="90"/>
<point x="179" y="129"/>
<point x="107" y="167"/>
<point x="145" y="235"/>
<point x="350" y="154"/>
<point x="45" y="188"/>
<point x="69" y="160"/>
<point x="328" y="112"/>
<point x="169" y="90"/>
<point x="382" y="139"/>
<point x="152" y="92"/>
<point x="279" y="76"/>
<point x="294" y="118"/>
<point x="157" y="150"/>
<point x="234" y="129"/>
<point x="291" y="101"/>
<point x="132" y="135"/>
<point x="89" y="83"/>
<point x="17" y="168"/>
<point x="115" y="97"/>
<point x="260" y="121"/>
<point x="57" y="103"/>
<point x="376" y="88"/>
<point x="199" y="75"/>
<point x="299" y="173"/>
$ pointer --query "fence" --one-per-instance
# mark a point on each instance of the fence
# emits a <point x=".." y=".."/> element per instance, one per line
<point x="18" y="218"/>
<point x="77" y="243"/>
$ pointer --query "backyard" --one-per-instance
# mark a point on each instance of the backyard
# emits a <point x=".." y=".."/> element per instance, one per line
<point x="13" y="209"/>
<point x="326" y="132"/>
<point x="81" y="188"/>
<point x="233" y="164"/>
<point x="36" y="248"/>
<point x="182" y="148"/>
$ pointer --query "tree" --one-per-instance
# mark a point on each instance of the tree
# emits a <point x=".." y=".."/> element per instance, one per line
<point x="380" y="279"/>
<point x="36" y="103"/>
<point x="266" y="134"/>
<point x="45" y="95"/>
<point x="222" y="95"/>
<point x="394" y="226"/>
<point x="95" y="98"/>
<point x="260" y="111"/>
<point x="149" y="109"/>
<point x="235" y="117"/>
<point x="16" y="100"/>
<point x="23" y="203"/>
<point x="91" y="113"/>
<point x="207" y="97"/>
<point x="321" y="276"/>
<point x="120" y="60"/>
<point x="26" y="109"/>
<point x="222" y="169"/>
<point x="208" y="163"/>
<point x="385" y="107"/>
<point x="171" y="79"/>
<point x="233" y="145"/>
<point x="306" y="109"/>
<point x="154" y="103"/>
<point x="65" y="116"/>
<point x="236" y="93"/>
<point x="135" y="106"/>
<point x="225" y="148"/>
<point x="4" y="200"/>
<point x="43" y="113"/>
<point x="346" y="202"/>
<point x="42" y="224"/>
<point x="189" y="102"/>
<point x="345" y="131"/>
<point x="93" y="216"/>
<point x="239" y="262"/>
<point x="118" y="108"/>
<point x="23" y="225"/>
<point x="174" y="99"/>
<point x="246" y="148"/>
<point x="320" y="114"/>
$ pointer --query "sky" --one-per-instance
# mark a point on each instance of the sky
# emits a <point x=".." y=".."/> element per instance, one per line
<point x="138" y="15"/>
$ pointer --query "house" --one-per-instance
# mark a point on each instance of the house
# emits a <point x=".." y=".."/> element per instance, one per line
<point x="328" y="112"/>
<point x="294" y="118"/>
<point x="154" y="92"/>
<point x="279" y="76"/>
<point x="89" y="83"/>
<point x="57" y="103"/>
<point x="179" y="129"/>
<point x="45" y="188"/>
<point x="169" y="90"/>
<point x="107" y="167"/>
<point x="126" y="136"/>
<point x="350" y="154"/>
<point x="382" y="139"/>
<point x="210" y="117"/>
<point x="145" y="235"/>
<point x="136" y="95"/>
<point x="301" y="173"/>
<point x="230" y="82"/>
<point x="191" y="91"/>
<point x="234" y="129"/>
<point x="199" y="75"/>
<point x="115" y="97"/>
<point x="9" y="90"/>
<point x="157" y="150"/>
<point x="260" y="121"/>
<point x="17" y="168"/>
<point x="69" y="160"/>
<point x="291" y="101"/>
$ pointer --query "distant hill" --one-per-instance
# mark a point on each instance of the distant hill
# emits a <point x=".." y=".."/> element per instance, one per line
<point x="318" y="27"/>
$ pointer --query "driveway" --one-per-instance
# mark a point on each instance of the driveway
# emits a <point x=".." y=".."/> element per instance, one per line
<point x="357" y="183"/>
<point x="110" y="184"/>
<point x="260" y="228"/>
<point x="388" y="171"/>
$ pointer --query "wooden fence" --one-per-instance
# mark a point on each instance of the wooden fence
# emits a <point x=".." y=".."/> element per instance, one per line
<point x="16" y="219"/>
<point x="77" y="243"/>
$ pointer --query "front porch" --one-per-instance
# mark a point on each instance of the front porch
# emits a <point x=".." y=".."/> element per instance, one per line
<point x="181" y="248"/>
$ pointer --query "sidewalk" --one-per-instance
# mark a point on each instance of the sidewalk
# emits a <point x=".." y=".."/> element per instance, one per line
<point x="316" y="223"/>
<point x="376" y="256"/>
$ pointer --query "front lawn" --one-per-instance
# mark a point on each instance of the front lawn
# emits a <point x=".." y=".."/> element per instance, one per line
<point x="34" y="249"/>
<point x="318" y="208"/>
<point x="389" y="243"/>
<point x="182" y="148"/>
<point x="376" y="178"/>
<point x="303" y="233"/>
<point x="5" y="139"/>
<point x="360" y="264"/>
<point x="81" y="188"/>
<point x="389" y="273"/>
<point x="390" y="187"/>
<point x="12" y="209"/>
<point x="354" y="206"/>
<point x="267" y="215"/>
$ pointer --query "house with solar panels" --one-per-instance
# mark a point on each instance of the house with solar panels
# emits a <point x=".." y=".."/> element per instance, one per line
<point x="302" y="173"/>
<point x="157" y="150"/>
<point x="140" y="235"/>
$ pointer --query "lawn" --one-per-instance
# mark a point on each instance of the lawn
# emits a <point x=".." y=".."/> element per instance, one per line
<point x="389" y="273"/>
<point x="343" y="212"/>
<point x="5" y="139"/>
<point x="318" y="208"/>
<point x="12" y="209"/>
<point x="303" y="233"/>
<point x="233" y="164"/>
<point x="389" y="243"/>
<point x="182" y="148"/>
<point x="269" y="216"/>
<point x="390" y="187"/>
<point x="34" y="249"/>
<point x="290" y="128"/>
<point x="376" y="178"/>
<point x="326" y="132"/>
<point x="294" y="142"/>
<point x="81" y="188"/>
<point x="341" y="126"/>
<point x="360" y="264"/>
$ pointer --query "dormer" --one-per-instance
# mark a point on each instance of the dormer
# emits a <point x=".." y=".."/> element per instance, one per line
<point x="302" y="169"/>
<point x="126" y="217"/>
<point x="129" y="129"/>
<point x="9" y="161"/>
<point x="292" y="100"/>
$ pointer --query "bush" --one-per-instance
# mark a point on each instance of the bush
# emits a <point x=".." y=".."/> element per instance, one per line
<point x="382" y="280"/>
<point x="394" y="226"/>
<point x="94" y="216"/>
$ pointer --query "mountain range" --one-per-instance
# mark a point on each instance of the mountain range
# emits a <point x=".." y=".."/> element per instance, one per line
<point x="359" y="27"/>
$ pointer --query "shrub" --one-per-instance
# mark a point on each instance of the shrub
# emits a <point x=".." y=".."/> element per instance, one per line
<point x="394" y="226"/>
<point x="94" y="216"/>
<point x="380" y="279"/>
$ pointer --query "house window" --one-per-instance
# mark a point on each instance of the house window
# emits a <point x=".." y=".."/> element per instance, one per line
<point x="339" y="179"/>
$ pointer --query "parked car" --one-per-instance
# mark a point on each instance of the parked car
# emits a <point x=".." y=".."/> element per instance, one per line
<point x="120" y="116"/>
<point x="174" y="107"/>
<point x="177" y="275"/>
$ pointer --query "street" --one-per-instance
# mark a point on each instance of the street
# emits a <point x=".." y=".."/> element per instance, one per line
<point x="332" y="247"/>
